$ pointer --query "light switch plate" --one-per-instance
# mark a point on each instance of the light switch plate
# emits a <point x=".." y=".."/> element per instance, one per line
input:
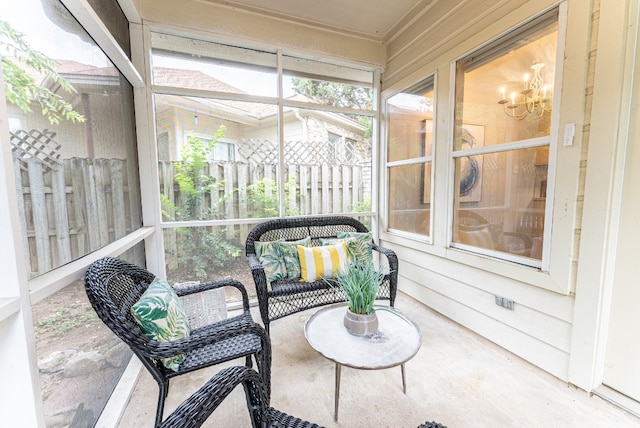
<point x="569" y="133"/>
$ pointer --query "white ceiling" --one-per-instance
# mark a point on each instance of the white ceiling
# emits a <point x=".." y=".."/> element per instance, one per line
<point x="370" y="17"/>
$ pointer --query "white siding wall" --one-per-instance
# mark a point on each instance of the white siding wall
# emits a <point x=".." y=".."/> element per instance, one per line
<point x="463" y="286"/>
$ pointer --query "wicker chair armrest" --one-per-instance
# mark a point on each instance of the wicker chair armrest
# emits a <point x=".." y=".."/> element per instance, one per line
<point x="257" y="271"/>
<point x="254" y="263"/>
<point x="391" y="256"/>
<point x="211" y="285"/>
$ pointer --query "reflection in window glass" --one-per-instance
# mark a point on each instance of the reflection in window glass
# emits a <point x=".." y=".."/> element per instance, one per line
<point x="504" y="95"/>
<point x="411" y="186"/>
<point x="507" y="87"/>
<point x="409" y="158"/>
<point x="79" y="359"/>
<point x="73" y="139"/>
<point x="511" y="219"/>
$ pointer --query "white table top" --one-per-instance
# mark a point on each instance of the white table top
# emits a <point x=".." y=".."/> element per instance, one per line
<point x="396" y="341"/>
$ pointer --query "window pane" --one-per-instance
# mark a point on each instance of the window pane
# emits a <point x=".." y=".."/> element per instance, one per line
<point x="410" y="137"/>
<point x="330" y="84"/>
<point x="327" y="162"/>
<point x="507" y="87"/>
<point x="79" y="359"/>
<point x="410" y="197"/>
<point x="410" y="126"/>
<point x="197" y="64"/>
<point x="73" y="141"/>
<point x="504" y="208"/>
<point x="504" y="95"/>
<point x="207" y="253"/>
<point x="191" y="131"/>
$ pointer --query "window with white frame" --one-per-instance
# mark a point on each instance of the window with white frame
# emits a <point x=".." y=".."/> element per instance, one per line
<point x="409" y="158"/>
<point x="503" y="106"/>
<point x="261" y="150"/>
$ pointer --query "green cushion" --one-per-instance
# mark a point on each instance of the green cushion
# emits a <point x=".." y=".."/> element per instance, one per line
<point x="291" y="258"/>
<point x="162" y="317"/>
<point x="360" y="249"/>
<point x="269" y="253"/>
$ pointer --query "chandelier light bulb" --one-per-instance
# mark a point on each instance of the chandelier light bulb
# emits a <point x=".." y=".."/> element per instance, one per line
<point x="531" y="100"/>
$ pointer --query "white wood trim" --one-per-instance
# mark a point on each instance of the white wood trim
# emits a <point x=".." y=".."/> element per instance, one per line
<point x="200" y="93"/>
<point x="22" y="405"/>
<point x="46" y="284"/>
<point x="526" y="261"/>
<point x="93" y="25"/>
<point x="147" y="149"/>
<point x="503" y="147"/>
<point x="411" y="161"/>
<point x="9" y="306"/>
<point x="613" y="108"/>
<point x="618" y="399"/>
<point x="119" y="398"/>
<point x="130" y="11"/>
<point x="376" y="162"/>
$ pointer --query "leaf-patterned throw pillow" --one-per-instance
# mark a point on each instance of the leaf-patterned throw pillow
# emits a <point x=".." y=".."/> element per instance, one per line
<point x="270" y="255"/>
<point x="290" y="256"/>
<point x="360" y="249"/>
<point x="162" y="317"/>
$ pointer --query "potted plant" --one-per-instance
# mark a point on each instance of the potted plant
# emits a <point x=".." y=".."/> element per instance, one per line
<point x="360" y="283"/>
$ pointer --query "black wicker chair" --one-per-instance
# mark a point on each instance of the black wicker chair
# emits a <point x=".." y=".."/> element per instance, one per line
<point x="114" y="285"/>
<point x="196" y="409"/>
<point x="287" y="296"/>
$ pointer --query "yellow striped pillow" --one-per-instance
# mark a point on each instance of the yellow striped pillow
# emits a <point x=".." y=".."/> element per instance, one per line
<point x="322" y="262"/>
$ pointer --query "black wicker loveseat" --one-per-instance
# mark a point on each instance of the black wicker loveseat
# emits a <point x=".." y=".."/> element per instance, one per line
<point x="289" y="296"/>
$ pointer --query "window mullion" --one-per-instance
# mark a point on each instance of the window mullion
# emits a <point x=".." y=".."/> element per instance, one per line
<point x="516" y="145"/>
<point x="280" y="133"/>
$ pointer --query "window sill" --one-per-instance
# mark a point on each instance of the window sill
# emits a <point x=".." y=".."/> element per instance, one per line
<point x="8" y="307"/>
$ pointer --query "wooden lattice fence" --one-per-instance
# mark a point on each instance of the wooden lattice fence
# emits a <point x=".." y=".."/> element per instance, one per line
<point x="311" y="189"/>
<point x="71" y="207"/>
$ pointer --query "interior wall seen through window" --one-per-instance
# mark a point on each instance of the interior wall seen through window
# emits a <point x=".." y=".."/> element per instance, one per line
<point x="504" y="96"/>
<point x="409" y="158"/>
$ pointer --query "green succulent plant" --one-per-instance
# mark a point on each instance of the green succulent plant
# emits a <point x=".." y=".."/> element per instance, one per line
<point x="360" y="283"/>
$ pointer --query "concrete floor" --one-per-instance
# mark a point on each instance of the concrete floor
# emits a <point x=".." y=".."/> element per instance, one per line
<point x="457" y="378"/>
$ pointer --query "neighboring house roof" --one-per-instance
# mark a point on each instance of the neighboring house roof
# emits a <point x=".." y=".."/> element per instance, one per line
<point x="87" y="77"/>
<point x="193" y="79"/>
<point x="72" y="67"/>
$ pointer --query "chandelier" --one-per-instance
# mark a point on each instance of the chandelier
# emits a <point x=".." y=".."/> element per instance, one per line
<point x="533" y="99"/>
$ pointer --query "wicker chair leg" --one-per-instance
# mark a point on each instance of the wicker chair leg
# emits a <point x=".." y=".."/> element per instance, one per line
<point x="162" y="396"/>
